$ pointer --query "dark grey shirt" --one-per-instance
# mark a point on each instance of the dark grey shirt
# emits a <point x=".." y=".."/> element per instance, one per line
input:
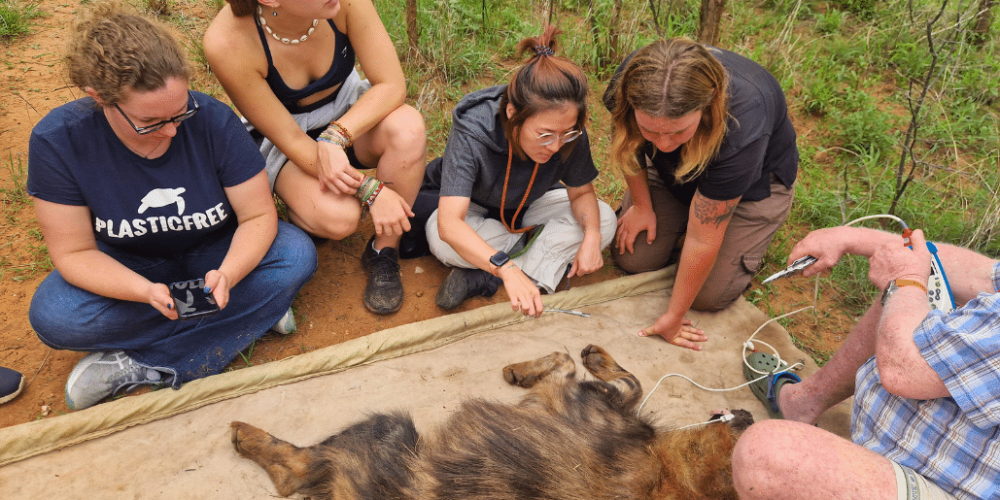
<point x="475" y="159"/>
<point x="759" y="139"/>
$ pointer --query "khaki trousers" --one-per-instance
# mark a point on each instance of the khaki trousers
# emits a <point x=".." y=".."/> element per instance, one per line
<point x="547" y="259"/>
<point x="750" y="231"/>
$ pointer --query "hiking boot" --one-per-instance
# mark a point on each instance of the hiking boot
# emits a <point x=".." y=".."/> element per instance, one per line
<point x="286" y="324"/>
<point x="103" y="374"/>
<point x="11" y="384"/>
<point x="464" y="283"/>
<point x="384" y="292"/>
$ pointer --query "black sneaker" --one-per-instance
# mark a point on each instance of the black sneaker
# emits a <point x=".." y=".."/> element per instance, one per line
<point x="384" y="292"/>
<point x="464" y="283"/>
<point x="11" y="384"/>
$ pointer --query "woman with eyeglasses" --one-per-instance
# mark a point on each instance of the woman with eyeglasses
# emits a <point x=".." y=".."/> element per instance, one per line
<point x="142" y="184"/>
<point x="703" y="138"/>
<point x="516" y="204"/>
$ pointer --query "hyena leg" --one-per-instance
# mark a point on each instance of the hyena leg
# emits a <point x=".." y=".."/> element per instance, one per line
<point x="557" y="367"/>
<point x="285" y="463"/>
<point x="604" y="367"/>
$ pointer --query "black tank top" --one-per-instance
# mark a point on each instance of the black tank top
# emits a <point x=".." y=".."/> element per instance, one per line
<point x="340" y="69"/>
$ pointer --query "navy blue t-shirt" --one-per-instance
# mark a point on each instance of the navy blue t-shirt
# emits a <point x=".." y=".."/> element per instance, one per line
<point x="161" y="206"/>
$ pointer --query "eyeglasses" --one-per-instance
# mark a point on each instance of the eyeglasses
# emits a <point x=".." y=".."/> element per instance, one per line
<point x="158" y="125"/>
<point x="548" y="137"/>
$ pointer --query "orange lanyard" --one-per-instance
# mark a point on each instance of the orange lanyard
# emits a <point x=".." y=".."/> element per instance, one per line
<point x="503" y="198"/>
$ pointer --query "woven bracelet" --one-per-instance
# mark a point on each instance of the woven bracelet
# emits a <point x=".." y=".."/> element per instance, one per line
<point x="337" y="140"/>
<point x="342" y="130"/>
<point x="365" y="189"/>
<point x="371" y="198"/>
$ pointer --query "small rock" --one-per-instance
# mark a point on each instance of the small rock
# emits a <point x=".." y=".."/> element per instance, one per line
<point x="46" y="410"/>
<point x="418" y="270"/>
<point x="420" y="294"/>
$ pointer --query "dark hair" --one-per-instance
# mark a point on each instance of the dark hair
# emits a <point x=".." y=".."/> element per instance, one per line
<point x="115" y="49"/>
<point x="243" y="8"/>
<point x="670" y="79"/>
<point x="546" y="81"/>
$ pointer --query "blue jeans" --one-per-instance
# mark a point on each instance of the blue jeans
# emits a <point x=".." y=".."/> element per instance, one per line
<point x="67" y="317"/>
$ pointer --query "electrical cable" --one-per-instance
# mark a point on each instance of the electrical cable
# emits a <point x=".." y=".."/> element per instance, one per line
<point x="749" y="344"/>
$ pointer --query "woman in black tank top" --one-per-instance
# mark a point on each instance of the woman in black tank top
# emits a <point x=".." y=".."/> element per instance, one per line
<point x="289" y="69"/>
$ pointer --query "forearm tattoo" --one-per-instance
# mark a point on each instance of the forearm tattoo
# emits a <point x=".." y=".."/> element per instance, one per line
<point x="713" y="212"/>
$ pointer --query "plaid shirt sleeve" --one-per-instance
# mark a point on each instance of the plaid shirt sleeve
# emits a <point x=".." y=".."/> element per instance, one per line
<point x="964" y="349"/>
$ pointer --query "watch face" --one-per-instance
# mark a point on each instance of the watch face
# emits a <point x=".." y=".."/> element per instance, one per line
<point x="500" y="258"/>
<point x="889" y="290"/>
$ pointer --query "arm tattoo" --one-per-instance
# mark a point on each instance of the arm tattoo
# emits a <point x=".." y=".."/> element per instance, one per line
<point x="713" y="212"/>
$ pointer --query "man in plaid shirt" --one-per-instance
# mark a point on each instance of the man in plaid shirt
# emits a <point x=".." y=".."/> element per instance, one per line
<point x="926" y="419"/>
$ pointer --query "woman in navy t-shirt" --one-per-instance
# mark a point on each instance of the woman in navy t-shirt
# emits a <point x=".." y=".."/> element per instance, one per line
<point x="142" y="184"/>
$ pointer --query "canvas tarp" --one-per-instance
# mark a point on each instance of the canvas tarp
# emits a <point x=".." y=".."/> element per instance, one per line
<point x="175" y="444"/>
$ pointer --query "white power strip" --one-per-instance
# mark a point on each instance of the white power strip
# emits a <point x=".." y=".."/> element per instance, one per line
<point x="938" y="290"/>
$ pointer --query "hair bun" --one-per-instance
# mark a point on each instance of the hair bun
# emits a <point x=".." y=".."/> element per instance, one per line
<point x="544" y="50"/>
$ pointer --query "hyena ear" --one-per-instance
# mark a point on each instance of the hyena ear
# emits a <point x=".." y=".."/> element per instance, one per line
<point x="738" y="420"/>
<point x="286" y="464"/>
<point x="743" y="420"/>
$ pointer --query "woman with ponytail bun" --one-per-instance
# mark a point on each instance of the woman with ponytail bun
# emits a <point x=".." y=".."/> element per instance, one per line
<point x="517" y="206"/>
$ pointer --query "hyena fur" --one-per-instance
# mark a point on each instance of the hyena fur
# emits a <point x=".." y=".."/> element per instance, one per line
<point x="564" y="440"/>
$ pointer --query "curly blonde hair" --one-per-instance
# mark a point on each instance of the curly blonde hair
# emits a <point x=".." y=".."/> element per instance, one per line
<point x="114" y="49"/>
<point x="670" y="79"/>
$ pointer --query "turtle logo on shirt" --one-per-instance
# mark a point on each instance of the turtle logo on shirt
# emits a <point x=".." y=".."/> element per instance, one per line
<point x="161" y="197"/>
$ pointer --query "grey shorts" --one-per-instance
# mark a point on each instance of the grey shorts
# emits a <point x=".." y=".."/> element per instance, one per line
<point x="913" y="486"/>
<point x="349" y="93"/>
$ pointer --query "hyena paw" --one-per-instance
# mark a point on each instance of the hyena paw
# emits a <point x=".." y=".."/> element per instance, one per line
<point x="596" y="359"/>
<point x="247" y="439"/>
<point x="515" y="374"/>
<point x="529" y="373"/>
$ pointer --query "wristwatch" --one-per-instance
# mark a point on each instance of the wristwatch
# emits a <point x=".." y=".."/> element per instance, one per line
<point x="896" y="284"/>
<point x="499" y="259"/>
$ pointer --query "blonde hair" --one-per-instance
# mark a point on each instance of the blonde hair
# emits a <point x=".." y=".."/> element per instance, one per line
<point x="114" y="49"/>
<point x="546" y="81"/>
<point x="670" y="79"/>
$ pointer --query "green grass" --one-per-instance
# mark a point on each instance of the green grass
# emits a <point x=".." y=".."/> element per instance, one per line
<point x="16" y="18"/>
<point x="14" y="194"/>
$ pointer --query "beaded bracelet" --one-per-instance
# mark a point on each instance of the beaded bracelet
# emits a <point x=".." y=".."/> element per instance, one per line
<point x="338" y="131"/>
<point x="338" y="139"/>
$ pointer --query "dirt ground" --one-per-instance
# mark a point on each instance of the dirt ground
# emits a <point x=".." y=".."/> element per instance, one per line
<point x="329" y="308"/>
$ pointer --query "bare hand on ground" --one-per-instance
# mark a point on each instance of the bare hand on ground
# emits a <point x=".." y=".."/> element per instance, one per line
<point x="681" y="334"/>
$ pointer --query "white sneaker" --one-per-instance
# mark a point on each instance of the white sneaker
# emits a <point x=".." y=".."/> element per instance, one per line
<point x="286" y="324"/>
<point x="103" y="374"/>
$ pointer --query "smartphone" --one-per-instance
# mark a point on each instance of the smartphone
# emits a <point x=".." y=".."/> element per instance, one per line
<point x="191" y="301"/>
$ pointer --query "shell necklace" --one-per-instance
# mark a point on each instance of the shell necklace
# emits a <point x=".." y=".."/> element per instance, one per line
<point x="286" y="41"/>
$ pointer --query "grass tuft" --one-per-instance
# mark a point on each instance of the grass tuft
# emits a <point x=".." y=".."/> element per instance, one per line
<point x="16" y="18"/>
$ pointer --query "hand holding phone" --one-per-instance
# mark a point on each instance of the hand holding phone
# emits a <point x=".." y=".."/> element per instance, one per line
<point x="191" y="300"/>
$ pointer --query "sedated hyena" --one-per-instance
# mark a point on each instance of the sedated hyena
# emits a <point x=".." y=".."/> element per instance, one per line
<point x="564" y="440"/>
